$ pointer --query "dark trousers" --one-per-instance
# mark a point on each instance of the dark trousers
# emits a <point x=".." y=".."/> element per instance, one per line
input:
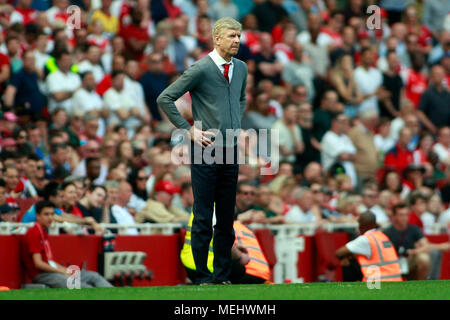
<point x="213" y="183"/>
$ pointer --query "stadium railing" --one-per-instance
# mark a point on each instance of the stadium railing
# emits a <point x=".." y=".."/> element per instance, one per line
<point x="171" y="228"/>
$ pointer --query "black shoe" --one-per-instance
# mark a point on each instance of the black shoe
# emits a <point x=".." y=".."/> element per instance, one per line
<point x="207" y="283"/>
<point x="227" y="282"/>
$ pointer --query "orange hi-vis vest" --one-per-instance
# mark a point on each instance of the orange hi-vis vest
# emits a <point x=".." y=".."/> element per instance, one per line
<point x="383" y="256"/>
<point x="258" y="265"/>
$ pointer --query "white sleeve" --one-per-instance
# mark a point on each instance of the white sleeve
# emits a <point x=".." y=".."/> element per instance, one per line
<point x="361" y="246"/>
<point x="54" y="84"/>
<point x="440" y="151"/>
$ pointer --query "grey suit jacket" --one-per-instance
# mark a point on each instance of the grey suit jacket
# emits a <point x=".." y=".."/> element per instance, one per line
<point x="215" y="102"/>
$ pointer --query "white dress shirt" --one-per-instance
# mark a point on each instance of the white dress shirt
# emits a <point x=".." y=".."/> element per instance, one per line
<point x="219" y="61"/>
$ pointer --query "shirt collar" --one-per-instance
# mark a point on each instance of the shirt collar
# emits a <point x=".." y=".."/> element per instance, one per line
<point x="217" y="58"/>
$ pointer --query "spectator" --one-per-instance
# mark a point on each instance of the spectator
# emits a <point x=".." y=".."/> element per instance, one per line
<point x="383" y="142"/>
<point x="342" y="77"/>
<point x="62" y="83"/>
<point x="91" y="204"/>
<point x="362" y="136"/>
<point x="109" y="22"/>
<point x="312" y="146"/>
<point x="85" y="99"/>
<point x="391" y="87"/>
<point x="89" y="150"/>
<point x="118" y="204"/>
<point x="267" y="67"/>
<point x="315" y="50"/>
<point x="92" y="63"/>
<point x="270" y="204"/>
<point x="329" y="107"/>
<point x="185" y="201"/>
<point x="258" y="116"/>
<point x="181" y="47"/>
<point x="269" y="13"/>
<point x="299" y="16"/>
<point x="290" y="135"/>
<point x="337" y="147"/>
<point x="405" y="237"/>
<point x="301" y="211"/>
<point x="39" y="260"/>
<point x="399" y="157"/>
<point x="369" y="81"/>
<point x="160" y="208"/>
<point x="413" y="78"/>
<point x="434" y="12"/>
<point x="23" y="89"/>
<point x="224" y="8"/>
<point x="136" y="37"/>
<point x="120" y="103"/>
<point x="442" y="147"/>
<point x="298" y="71"/>
<point x="432" y="111"/>
<point x="154" y="81"/>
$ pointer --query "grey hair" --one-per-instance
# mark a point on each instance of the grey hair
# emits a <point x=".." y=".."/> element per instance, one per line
<point x="299" y="192"/>
<point x="223" y="24"/>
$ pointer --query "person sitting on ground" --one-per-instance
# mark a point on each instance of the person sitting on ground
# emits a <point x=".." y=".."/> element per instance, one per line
<point x="38" y="256"/>
<point x="371" y="249"/>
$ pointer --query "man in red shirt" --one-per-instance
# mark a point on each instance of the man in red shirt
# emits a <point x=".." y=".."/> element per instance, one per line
<point x="38" y="257"/>
<point x="399" y="157"/>
<point x="136" y="37"/>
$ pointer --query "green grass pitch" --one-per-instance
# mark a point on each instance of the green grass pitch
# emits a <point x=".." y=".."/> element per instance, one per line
<point x="412" y="290"/>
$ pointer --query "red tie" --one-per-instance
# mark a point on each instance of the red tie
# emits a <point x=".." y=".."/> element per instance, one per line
<point x="225" y="72"/>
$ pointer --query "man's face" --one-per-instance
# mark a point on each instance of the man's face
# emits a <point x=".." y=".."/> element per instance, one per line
<point x="367" y="58"/>
<point x="228" y="42"/>
<point x="420" y="206"/>
<point x="21" y="164"/>
<point x="89" y="82"/>
<point x="291" y="113"/>
<point x="45" y="218"/>
<point x="97" y="197"/>
<point x="79" y="186"/>
<point x="93" y="169"/>
<point x="263" y="195"/>
<point x="28" y="61"/>
<point x="246" y="195"/>
<point x="58" y="199"/>
<point x="401" y="217"/>
<point x="64" y="62"/>
<point x="318" y="195"/>
<point x="91" y="128"/>
<point x="405" y="136"/>
<point x="165" y="198"/>
<point x="125" y="192"/>
<point x="306" y="202"/>
<point x="60" y="156"/>
<point x="112" y="194"/>
<point x="370" y="198"/>
<point x="70" y="196"/>
<point x="437" y="76"/>
<point x="444" y="136"/>
<point x="34" y="136"/>
<point x="11" y="178"/>
<point x="92" y="149"/>
<point x="30" y="168"/>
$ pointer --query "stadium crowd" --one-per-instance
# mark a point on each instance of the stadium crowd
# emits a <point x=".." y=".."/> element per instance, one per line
<point x="363" y="113"/>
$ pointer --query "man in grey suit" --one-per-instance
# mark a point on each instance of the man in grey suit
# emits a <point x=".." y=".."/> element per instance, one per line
<point x="217" y="86"/>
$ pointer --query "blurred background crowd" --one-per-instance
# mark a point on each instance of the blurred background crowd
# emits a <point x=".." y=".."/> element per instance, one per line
<point x="363" y="113"/>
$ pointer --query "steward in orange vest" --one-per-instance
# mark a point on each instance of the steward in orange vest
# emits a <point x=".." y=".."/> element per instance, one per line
<point x="374" y="252"/>
<point x="248" y="265"/>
